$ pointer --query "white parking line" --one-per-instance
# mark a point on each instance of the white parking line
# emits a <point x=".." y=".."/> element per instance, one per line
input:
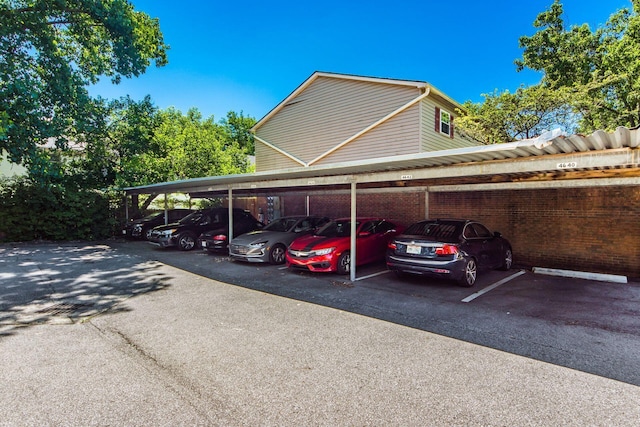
<point x="495" y="285"/>
<point x="380" y="273"/>
<point x="283" y="268"/>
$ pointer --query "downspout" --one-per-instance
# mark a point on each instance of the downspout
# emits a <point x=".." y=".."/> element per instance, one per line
<point x="230" y="194"/>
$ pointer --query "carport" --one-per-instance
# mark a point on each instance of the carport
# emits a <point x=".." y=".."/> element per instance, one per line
<point x="550" y="161"/>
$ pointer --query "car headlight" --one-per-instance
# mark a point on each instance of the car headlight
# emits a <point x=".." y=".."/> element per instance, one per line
<point x="168" y="233"/>
<point x="324" y="251"/>
<point x="259" y="245"/>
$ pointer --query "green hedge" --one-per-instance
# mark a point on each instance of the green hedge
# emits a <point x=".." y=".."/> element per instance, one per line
<point x="54" y="212"/>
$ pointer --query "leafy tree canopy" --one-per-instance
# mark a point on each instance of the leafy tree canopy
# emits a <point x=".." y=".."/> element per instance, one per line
<point x="50" y="51"/>
<point x="590" y="81"/>
<point x="601" y="68"/>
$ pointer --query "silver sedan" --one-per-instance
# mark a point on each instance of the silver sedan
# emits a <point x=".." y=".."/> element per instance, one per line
<point x="270" y="243"/>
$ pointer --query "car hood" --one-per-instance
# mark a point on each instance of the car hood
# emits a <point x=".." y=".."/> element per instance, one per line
<point x="262" y="235"/>
<point x="308" y="243"/>
<point x="167" y="227"/>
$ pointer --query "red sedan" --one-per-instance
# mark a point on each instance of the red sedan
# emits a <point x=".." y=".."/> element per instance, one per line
<point x="328" y="250"/>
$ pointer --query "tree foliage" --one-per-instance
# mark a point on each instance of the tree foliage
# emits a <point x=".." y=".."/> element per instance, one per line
<point x="600" y="68"/>
<point x="505" y="116"/>
<point x="50" y="51"/>
<point x="590" y="80"/>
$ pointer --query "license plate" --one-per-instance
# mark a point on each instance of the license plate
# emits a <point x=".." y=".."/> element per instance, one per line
<point x="414" y="249"/>
<point x="204" y="244"/>
<point x="124" y="231"/>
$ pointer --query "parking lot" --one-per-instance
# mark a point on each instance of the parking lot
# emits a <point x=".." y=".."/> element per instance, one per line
<point x="148" y="300"/>
<point x="586" y="325"/>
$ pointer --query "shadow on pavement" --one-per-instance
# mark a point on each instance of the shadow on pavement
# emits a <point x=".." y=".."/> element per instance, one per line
<point x="64" y="283"/>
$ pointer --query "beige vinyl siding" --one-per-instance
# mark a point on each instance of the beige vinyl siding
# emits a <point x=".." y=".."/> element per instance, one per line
<point x="432" y="140"/>
<point x="398" y="135"/>
<point x="268" y="159"/>
<point x="330" y="111"/>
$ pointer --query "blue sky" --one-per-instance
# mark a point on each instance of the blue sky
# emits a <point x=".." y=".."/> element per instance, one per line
<point x="249" y="55"/>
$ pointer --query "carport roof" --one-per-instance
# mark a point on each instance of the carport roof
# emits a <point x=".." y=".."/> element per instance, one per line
<point x="551" y="154"/>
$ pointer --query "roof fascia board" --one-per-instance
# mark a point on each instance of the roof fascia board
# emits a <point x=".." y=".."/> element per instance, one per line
<point x="537" y="185"/>
<point x="318" y="74"/>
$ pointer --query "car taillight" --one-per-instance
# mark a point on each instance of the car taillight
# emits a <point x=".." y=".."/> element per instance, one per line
<point x="392" y="246"/>
<point x="220" y="237"/>
<point x="447" y="250"/>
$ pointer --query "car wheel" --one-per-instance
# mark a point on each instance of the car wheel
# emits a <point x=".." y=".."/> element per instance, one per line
<point x="147" y="233"/>
<point x="470" y="274"/>
<point x="277" y="254"/>
<point x="344" y="263"/>
<point x="507" y="260"/>
<point x="186" y="242"/>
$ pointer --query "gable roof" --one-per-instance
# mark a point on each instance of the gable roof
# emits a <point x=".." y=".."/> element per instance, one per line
<point x="414" y="83"/>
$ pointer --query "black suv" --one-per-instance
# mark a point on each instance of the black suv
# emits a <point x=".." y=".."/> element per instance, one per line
<point x="141" y="228"/>
<point x="184" y="234"/>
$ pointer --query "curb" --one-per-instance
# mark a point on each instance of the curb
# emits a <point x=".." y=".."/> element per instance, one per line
<point x="580" y="275"/>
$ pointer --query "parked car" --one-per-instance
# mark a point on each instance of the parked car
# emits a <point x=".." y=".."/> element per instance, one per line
<point x="451" y="248"/>
<point x="328" y="250"/>
<point x="184" y="234"/>
<point x="270" y="244"/>
<point x="216" y="238"/>
<point x="141" y="228"/>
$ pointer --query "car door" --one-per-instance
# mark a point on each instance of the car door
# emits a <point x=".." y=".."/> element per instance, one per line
<point x="487" y="251"/>
<point x="365" y="242"/>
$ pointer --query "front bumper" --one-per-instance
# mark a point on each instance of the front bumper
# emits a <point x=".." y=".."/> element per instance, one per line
<point x="319" y="263"/>
<point x="213" y="245"/>
<point x="248" y="253"/>
<point x="164" y="241"/>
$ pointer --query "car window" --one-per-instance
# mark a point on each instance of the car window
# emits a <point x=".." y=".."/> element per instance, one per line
<point x="469" y="232"/>
<point x="282" y="224"/>
<point x="336" y="229"/>
<point x="369" y="227"/>
<point x="384" y="226"/>
<point x="436" y="230"/>
<point x="481" y="230"/>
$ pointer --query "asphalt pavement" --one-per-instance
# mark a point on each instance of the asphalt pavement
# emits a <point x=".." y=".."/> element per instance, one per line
<point x="108" y="334"/>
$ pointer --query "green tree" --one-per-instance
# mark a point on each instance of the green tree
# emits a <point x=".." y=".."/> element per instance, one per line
<point x="506" y="116"/>
<point x="600" y="69"/>
<point x="194" y="147"/>
<point x="238" y="128"/>
<point x="50" y="51"/>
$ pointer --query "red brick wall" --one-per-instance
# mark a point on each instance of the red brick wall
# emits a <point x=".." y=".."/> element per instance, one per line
<point x="590" y="229"/>
<point x="402" y="207"/>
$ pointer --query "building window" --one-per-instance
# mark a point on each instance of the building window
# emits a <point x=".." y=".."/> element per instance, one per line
<point x="444" y="122"/>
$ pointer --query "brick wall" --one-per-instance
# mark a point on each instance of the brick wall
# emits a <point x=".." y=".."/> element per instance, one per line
<point x="590" y="229"/>
<point x="402" y="207"/>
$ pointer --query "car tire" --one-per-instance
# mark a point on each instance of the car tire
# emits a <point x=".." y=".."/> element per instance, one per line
<point x="186" y="242"/>
<point x="470" y="274"/>
<point x="277" y="254"/>
<point x="344" y="263"/>
<point x="507" y="260"/>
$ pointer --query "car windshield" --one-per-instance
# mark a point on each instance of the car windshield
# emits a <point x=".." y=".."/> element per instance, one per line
<point x="192" y="218"/>
<point x="336" y="229"/>
<point x="282" y="224"/>
<point x="434" y="229"/>
<point x="153" y="215"/>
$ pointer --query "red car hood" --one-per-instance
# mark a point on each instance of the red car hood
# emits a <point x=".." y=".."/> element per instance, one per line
<point x="307" y="243"/>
